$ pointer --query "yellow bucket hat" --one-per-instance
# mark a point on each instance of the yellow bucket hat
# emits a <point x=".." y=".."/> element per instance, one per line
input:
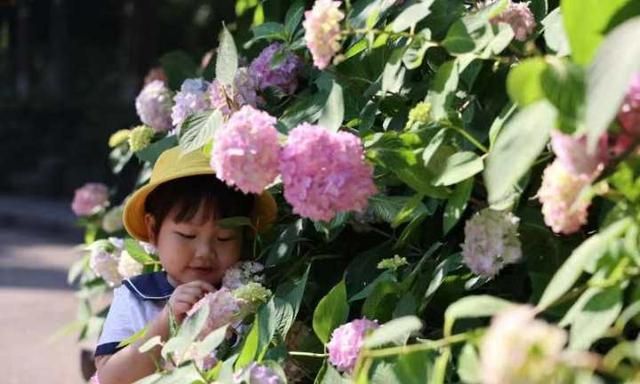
<point x="171" y="165"/>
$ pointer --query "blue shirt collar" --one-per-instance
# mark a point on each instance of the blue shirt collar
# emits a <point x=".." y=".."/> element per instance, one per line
<point x="150" y="286"/>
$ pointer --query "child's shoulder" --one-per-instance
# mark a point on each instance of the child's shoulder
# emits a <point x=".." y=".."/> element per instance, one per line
<point x="149" y="286"/>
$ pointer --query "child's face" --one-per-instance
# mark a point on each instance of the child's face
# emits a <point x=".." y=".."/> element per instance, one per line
<point x="195" y="250"/>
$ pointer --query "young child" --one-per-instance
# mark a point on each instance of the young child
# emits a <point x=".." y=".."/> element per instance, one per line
<point x="177" y="212"/>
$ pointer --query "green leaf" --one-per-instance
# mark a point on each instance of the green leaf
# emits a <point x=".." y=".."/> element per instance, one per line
<point x="287" y="301"/>
<point x="268" y="31"/>
<point x="212" y="341"/>
<point x="176" y="346"/>
<point x="586" y="30"/>
<point x="414" y="368"/>
<point x="282" y="249"/>
<point x="554" y="33"/>
<point x="404" y="164"/>
<point x="396" y="331"/>
<point x="469" y="368"/>
<point x="588" y="252"/>
<point x="332" y="113"/>
<point x="331" y="311"/>
<point x="293" y="17"/>
<point x="412" y="208"/>
<point x="563" y="84"/>
<point x="250" y="347"/>
<point x="433" y="146"/>
<point x="443" y="88"/>
<point x="594" y="319"/>
<point x="382" y="300"/>
<point x="178" y="66"/>
<point x="411" y="15"/>
<point x="458" y="167"/>
<point x="267" y="323"/>
<point x="609" y="76"/>
<point x="471" y="307"/>
<point x="416" y="50"/>
<point x="456" y="204"/>
<point x="227" y="60"/>
<point x="136" y="251"/>
<point x="387" y="208"/>
<point x="329" y="375"/>
<point x="393" y="73"/>
<point x="523" y="82"/>
<point x="192" y="325"/>
<point x="153" y="151"/>
<point x="198" y="130"/>
<point x="517" y="147"/>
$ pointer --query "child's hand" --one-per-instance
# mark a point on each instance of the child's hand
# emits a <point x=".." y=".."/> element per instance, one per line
<point x="185" y="296"/>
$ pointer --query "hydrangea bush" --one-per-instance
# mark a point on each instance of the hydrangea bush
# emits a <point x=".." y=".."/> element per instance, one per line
<point x="457" y="185"/>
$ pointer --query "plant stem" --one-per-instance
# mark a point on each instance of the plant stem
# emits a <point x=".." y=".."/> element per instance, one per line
<point x="308" y="354"/>
<point x="470" y="138"/>
<point x="424" y="346"/>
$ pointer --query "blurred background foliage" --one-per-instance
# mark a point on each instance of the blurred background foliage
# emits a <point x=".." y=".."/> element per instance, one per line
<point x="70" y="70"/>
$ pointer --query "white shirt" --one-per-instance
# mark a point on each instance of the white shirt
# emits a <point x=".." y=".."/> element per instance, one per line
<point x="135" y="303"/>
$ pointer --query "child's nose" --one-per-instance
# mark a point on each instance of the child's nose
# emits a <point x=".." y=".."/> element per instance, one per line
<point x="206" y="250"/>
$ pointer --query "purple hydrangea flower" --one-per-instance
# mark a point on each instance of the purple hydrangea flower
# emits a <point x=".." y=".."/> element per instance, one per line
<point x="283" y="75"/>
<point x="325" y="172"/>
<point x="257" y="374"/>
<point x="191" y="99"/>
<point x="153" y="105"/>
<point x="230" y="98"/>
<point x="346" y="342"/>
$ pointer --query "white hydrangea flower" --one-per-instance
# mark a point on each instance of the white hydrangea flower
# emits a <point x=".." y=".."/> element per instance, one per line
<point x="517" y="348"/>
<point x="128" y="266"/>
<point x="112" y="220"/>
<point x="491" y="241"/>
<point x="104" y="258"/>
<point x="243" y="273"/>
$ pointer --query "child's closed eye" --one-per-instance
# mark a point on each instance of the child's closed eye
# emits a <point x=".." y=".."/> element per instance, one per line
<point x="185" y="235"/>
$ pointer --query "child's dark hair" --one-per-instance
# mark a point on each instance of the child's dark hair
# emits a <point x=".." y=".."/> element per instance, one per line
<point x="191" y="192"/>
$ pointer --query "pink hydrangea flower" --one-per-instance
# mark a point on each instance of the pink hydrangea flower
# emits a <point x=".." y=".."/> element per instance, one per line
<point x="322" y="31"/>
<point x="325" y="172"/>
<point x="89" y="199"/>
<point x="245" y="150"/>
<point x="572" y="152"/>
<point x="520" y="18"/>
<point x="153" y="105"/>
<point x="223" y="309"/>
<point x="491" y="241"/>
<point x="283" y="75"/>
<point x="629" y="114"/>
<point x="346" y="342"/>
<point x="563" y="207"/>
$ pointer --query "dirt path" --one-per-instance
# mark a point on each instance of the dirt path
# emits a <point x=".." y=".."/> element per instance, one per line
<point x="35" y="303"/>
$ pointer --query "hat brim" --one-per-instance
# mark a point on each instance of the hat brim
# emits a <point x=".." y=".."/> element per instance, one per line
<point x="264" y="215"/>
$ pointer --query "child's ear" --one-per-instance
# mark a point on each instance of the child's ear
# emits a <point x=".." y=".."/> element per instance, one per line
<point x="150" y="224"/>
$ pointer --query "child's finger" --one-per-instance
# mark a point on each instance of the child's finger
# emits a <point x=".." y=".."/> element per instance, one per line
<point x="204" y="285"/>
